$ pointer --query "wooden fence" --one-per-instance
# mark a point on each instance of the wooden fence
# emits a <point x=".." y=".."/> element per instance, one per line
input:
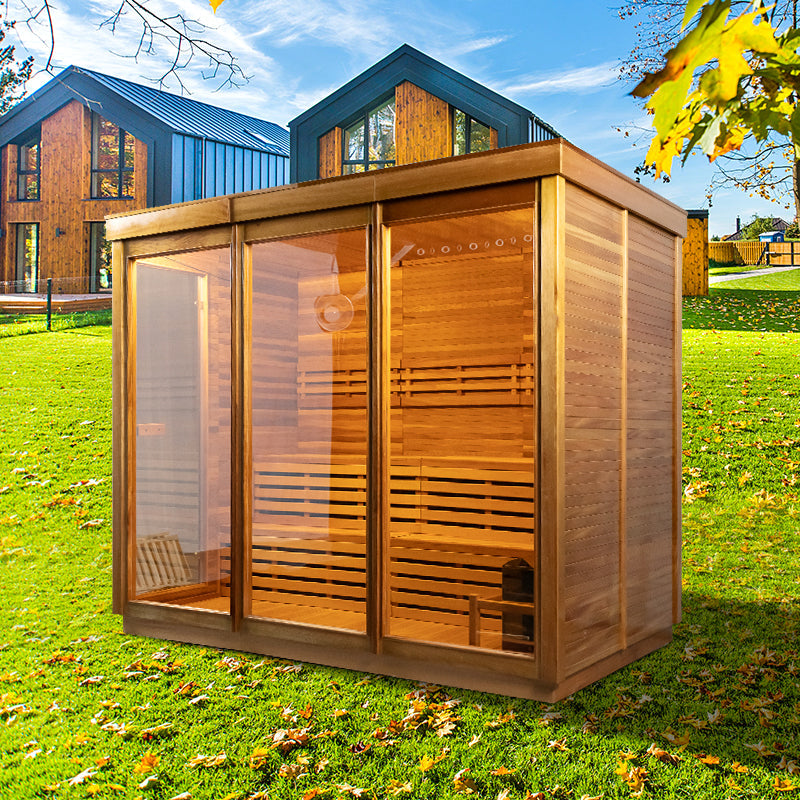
<point x="779" y="254"/>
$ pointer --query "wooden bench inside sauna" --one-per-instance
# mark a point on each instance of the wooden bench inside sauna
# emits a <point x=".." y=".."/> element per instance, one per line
<point x="422" y="421"/>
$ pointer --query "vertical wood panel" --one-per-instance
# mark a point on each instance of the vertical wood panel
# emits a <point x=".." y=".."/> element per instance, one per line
<point x="423" y="128"/>
<point x="623" y="444"/>
<point x="695" y="257"/>
<point x="594" y="239"/>
<point x="119" y="428"/>
<point x="378" y="427"/>
<point x="652" y="451"/>
<point x="551" y="481"/>
<point x="330" y="154"/>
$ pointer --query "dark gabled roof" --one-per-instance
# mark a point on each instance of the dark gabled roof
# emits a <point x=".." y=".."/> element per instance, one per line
<point x="403" y="63"/>
<point x="176" y="113"/>
<point x="509" y="119"/>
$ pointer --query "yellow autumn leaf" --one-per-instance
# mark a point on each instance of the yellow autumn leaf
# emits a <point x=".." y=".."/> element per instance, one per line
<point x="258" y="758"/>
<point x="709" y="760"/>
<point x="783" y="785"/>
<point x="396" y="788"/>
<point x="463" y="783"/>
<point x="215" y="4"/>
<point x="737" y="767"/>
<point x="148" y="763"/>
<point x="502" y="771"/>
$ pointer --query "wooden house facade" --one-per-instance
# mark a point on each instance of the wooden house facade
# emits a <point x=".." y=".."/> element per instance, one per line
<point x="87" y="145"/>
<point x="405" y="109"/>
<point x="422" y="421"/>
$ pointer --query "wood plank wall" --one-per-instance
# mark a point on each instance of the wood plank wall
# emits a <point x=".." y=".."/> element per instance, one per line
<point x="594" y="247"/>
<point x="423" y="125"/>
<point x="330" y="153"/>
<point x="619" y="429"/>
<point x="423" y="131"/>
<point x="64" y="198"/>
<point x="695" y="257"/>
<point x="649" y="508"/>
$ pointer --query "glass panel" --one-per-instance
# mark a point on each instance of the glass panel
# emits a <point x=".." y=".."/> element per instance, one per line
<point x="381" y="133"/>
<point x="28" y="187"/>
<point x="106" y="184"/>
<point x="128" y="151"/>
<point x="462" y="431"/>
<point x="354" y="142"/>
<point x="27" y="257"/>
<point x="29" y="157"/>
<point x="478" y="137"/>
<point x="459" y="133"/>
<point x="309" y="362"/>
<point x="127" y="184"/>
<point x="100" y="258"/>
<point x="183" y="429"/>
<point x="351" y="169"/>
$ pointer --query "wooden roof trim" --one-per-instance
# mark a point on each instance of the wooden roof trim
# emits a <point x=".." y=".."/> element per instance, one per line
<point x="524" y="162"/>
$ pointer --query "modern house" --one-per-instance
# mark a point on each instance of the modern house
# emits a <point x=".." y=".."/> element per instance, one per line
<point x="86" y="145"/>
<point x="406" y="108"/>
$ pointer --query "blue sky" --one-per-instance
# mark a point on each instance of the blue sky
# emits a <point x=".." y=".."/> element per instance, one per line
<point x="559" y="59"/>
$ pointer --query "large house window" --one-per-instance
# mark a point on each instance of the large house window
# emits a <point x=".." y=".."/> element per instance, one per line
<point x="27" y="257"/>
<point x="369" y="142"/>
<point x="112" y="159"/>
<point x="99" y="258"/>
<point x="29" y="170"/>
<point x="469" y="135"/>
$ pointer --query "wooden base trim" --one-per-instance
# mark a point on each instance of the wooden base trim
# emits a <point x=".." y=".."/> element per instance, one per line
<point x="507" y="674"/>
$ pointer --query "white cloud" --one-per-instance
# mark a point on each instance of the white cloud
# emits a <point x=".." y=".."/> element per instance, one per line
<point x="581" y="80"/>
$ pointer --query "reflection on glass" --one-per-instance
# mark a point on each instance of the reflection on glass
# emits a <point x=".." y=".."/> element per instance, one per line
<point x="112" y="159"/>
<point x="381" y="133"/>
<point x="462" y="539"/>
<point x="183" y="418"/>
<point x="28" y="171"/>
<point x="27" y="257"/>
<point x="369" y="143"/>
<point x="309" y="359"/>
<point x="469" y="135"/>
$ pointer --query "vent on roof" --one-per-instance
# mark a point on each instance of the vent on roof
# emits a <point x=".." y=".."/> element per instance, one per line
<point x="261" y="138"/>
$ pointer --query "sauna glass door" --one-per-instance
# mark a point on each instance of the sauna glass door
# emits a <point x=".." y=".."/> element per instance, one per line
<point x="307" y="554"/>
<point x="182" y="423"/>
<point x="461" y="538"/>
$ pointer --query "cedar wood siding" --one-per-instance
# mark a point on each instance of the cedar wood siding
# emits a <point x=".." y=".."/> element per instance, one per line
<point x="64" y="199"/>
<point x="423" y="131"/>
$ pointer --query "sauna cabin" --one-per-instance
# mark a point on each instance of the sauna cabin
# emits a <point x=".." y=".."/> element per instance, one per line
<point x="422" y="421"/>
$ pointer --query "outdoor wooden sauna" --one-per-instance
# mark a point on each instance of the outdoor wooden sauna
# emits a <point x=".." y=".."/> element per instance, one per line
<point x="422" y="421"/>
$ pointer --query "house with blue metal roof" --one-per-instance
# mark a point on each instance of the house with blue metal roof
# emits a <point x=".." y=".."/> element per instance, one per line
<point x="86" y="145"/>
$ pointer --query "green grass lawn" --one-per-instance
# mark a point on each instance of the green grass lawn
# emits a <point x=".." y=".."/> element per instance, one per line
<point x="87" y="711"/>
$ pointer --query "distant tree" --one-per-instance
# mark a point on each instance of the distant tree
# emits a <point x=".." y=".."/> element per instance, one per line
<point x="793" y="231"/>
<point x="757" y="226"/>
<point x="763" y="165"/>
<point x="183" y="39"/>
<point x="13" y="75"/>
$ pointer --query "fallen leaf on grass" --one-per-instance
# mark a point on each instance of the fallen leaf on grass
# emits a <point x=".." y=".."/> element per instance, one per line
<point x="662" y="755"/>
<point x="207" y="761"/>
<point x="462" y="783"/>
<point x="150" y="780"/>
<point x="711" y="761"/>
<point x="259" y="758"/>
<point x="783" y="785"/>
<point x="426" y="762"/>
<point x="396" y="788"/>
<point x="502" y="771"/>
<point x="148" y="763"/>
<point x="737" y="767"/>
<point x="558" y="744"/>
<point x="82" y="776"/>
